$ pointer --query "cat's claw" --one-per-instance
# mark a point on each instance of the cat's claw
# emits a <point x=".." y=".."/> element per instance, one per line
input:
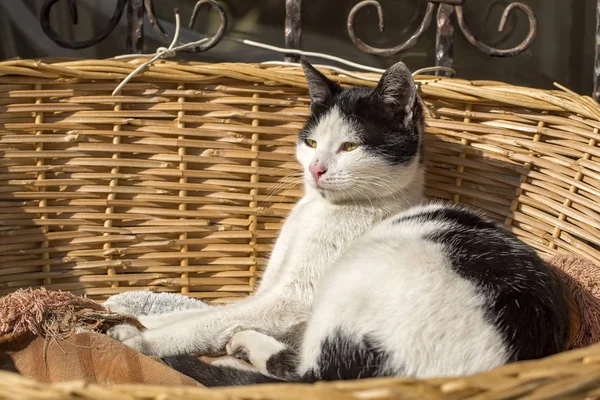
<point x="129" y="335"/>
<point x="237" y="351"/>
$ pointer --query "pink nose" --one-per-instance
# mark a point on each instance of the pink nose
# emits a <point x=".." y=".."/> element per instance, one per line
<point x="316" y="171"/>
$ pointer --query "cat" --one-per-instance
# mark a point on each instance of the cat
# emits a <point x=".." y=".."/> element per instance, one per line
<point x="366" y="279"/>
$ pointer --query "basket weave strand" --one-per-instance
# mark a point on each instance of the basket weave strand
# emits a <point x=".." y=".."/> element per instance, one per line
<point x="181" y="182"/>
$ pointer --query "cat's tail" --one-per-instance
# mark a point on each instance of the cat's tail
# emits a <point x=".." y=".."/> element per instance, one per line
<point x="219" y="373"/>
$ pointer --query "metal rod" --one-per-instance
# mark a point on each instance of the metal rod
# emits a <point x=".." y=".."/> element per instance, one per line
<point x="293" y="27"/>
<point x="444" y="38"/>
<point x="135" y="27"/>
<point x="597" y="59"/>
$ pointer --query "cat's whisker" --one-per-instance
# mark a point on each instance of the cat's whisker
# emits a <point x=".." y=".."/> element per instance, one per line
<point x="292" y="180"/>
<point x="386" y="184"/>
<point x="281" y="189"/>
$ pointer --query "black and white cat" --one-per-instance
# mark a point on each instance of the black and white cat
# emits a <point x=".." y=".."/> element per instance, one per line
<point x="365" y="278"/>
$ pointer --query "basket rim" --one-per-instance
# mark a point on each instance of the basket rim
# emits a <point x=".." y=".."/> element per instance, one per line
<point x="477" y="91"/>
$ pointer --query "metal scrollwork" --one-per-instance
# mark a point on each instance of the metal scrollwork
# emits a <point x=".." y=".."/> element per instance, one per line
<point x="492" y="51"/>
<point x="394" y="50"/>
<point x="444" y="43"/>
<point x="445" y="31"/>
<point x="100" y="36"/>
<point x="135" y="22"/>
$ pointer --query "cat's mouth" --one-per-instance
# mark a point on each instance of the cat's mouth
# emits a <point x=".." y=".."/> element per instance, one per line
<point x="318" y="185"/>
<point x="326" y="187"/>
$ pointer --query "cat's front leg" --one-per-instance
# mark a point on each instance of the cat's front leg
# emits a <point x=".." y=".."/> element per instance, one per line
<point x="208" y="332"/>
<point x="196" y="335"/>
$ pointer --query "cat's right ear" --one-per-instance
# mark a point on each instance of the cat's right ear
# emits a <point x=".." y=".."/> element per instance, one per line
<point x="320" y="87"/>
<point x="396" y="93"/>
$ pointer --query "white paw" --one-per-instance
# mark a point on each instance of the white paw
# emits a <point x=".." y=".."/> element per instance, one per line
<point x="128" y="335"/>
<point x="254" y="347"/>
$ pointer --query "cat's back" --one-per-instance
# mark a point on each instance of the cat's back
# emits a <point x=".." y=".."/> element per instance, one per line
<point x="446" y="292"/>
<point x="517" y="286"/>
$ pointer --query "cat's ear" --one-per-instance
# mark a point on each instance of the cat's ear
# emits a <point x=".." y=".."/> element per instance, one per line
<point x="320" y="87"/>
<point x="396" y="91"/>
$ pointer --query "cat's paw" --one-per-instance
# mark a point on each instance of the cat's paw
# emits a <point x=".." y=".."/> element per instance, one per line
<point x="254" y="347"/>
<point x="129" y="335"/>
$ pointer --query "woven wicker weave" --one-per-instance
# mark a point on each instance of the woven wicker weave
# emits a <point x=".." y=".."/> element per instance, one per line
<point x="180" y="184"/>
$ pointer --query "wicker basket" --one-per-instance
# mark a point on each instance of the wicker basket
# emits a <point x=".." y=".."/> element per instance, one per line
<point x="180" y="184"/>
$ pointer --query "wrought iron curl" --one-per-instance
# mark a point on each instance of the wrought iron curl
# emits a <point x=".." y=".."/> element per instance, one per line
<point x="393" y="50"/>
<point x="100" y="36"/>
<point x="458" y="8"/>
<point x="492" y="51"/>
<point x="118" y="13"/>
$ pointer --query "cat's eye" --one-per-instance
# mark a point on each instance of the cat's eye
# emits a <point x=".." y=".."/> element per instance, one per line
<point x="349" y="146"/>
<point x="310" y="143"/>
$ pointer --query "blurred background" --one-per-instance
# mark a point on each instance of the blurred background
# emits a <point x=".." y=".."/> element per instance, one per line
<point x="563" y="50"/>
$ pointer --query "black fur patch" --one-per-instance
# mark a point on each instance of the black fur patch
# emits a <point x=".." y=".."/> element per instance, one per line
<point x="526" y="299"/>
<point x="461" y="216"/>
<point x="380" y="134"/>
<point x="211" y="375"/>
<point x="283" y="364"/>
<point x="344" y="358"/>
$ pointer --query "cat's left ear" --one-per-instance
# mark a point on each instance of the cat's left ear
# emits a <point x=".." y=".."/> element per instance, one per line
<point x="396" y="91"/>
<point x="320" y="87"/>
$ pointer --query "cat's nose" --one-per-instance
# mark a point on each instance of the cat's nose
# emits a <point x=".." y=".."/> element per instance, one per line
<point x="317" y="171"/>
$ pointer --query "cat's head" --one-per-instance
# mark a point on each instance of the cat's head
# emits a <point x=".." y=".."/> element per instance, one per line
<point x="361" y="143"/>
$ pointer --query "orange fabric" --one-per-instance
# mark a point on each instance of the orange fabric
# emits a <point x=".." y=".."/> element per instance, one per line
<point x="581" y="283"/>
<point x="91" y="357"/>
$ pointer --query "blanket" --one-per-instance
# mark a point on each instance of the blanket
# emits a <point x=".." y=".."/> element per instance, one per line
<point x="141" y="303"/>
